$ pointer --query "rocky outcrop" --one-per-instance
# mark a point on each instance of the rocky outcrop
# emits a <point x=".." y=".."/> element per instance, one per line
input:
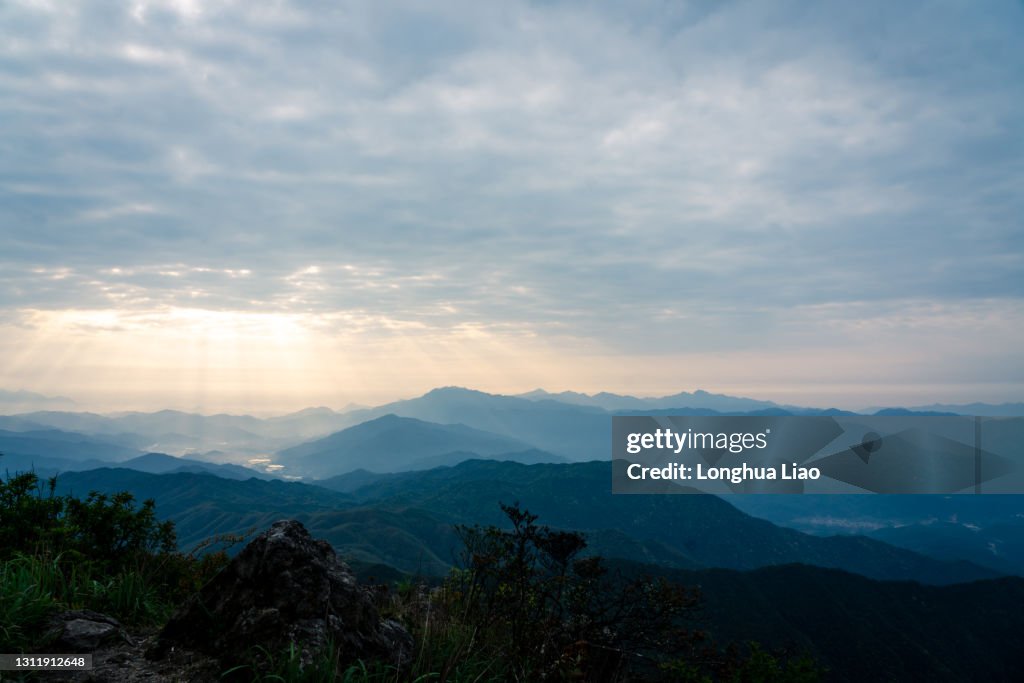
<point x="285" y="588"/>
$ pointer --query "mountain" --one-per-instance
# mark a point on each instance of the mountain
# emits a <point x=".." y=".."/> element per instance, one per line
<point x="55" y="443"/>
<point x="391" y="443"/>
<point x="708" y="530"/>
<point x="160" y="463"/>
<point x="22" y="401"/>
<point x="176" y="432"/>
<point x="904" y="412"/>
<point x="574" y="431"/>
<point x="571" y="431"/>
<point x="603" y="400"/>
<point x="699" y="399"/>
<point x="405" y="520"/>
<point x="45" y="466"/>
<point x="569" y="424"/>
<point x="532" y="456"/>
<point x="305" y="424"/>
<point x="153" y="463"/>
<point x="355" y="479"/>
<point x="860" y="629"/>
<point x="999" y="546"/>
<point x="987" y="530"/>
<point x="203" y="505"/>
<point x="350" y="481"/>
<point x="856" y="513"/>
<point x="18" y="424"/>
<point x="83" y="422"/>
<point x="981" y="409"/>
<point x="224" y="428"/>
<point x="718" y="402"/>
<point x="237" y="437"/>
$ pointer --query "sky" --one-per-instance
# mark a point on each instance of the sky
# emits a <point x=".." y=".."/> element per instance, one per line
<point x="220" y="205"/>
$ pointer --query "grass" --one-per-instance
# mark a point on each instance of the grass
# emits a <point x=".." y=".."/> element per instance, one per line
<point x="26" y="601"/>
<point x="287" y="667"/>
<point x="33" y="587"/>
<point x="445" y="651"/>
<point x="132" y="598"/>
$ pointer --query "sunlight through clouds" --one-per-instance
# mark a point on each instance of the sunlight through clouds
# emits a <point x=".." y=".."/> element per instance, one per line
<point x="364" y="199"/>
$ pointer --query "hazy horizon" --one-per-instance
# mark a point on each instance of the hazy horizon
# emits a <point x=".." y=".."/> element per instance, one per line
<point x="226" y="206"/>
<point x="263" y="409"/>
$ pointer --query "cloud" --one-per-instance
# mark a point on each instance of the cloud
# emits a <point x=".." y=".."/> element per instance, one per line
<point x="645" y="179"/>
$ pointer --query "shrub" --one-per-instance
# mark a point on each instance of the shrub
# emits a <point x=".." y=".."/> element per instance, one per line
<point x="103" y="552"/>
<point x="525" y="604"/>
<point x="108" y="531"/>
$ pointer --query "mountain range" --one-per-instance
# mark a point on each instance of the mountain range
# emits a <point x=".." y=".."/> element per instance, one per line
<point x="449" y="425"/>
<point x="987" y="530"/>
<point x="699" y="399"/>
<point x="874" y="587"/>
<point x="569" y="424"/>
<point x="392" y="444"/>
<point x="23" y="401"/>
<point x="405" y="520"/>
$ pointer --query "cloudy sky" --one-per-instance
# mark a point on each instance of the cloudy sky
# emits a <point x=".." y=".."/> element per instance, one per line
<point x="261" y="206"/>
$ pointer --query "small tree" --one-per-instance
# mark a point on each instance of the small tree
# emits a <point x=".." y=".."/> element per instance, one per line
<point x="109" y="531"/>
<point x="536" y="601"/>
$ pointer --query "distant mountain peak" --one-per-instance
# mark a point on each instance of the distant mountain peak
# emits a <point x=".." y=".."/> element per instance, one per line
<point x="389" y="419"/>
<point x="455" y="391"/>
<point x="392" y="443"/>
<point x="22" y="400"/>
<point x="614" y="402"/>
<point x="981" y="409"/>
<point x="311" y="411"/>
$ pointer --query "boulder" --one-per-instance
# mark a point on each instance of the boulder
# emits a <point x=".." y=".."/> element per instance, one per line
<point x="285" y="588"/>
<point x="81" y="630"/>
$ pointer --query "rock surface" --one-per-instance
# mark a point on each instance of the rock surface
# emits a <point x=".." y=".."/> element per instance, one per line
<point x="284" y="587"/>
<point x="82" y="630"/>
<point x="123" y="661"/>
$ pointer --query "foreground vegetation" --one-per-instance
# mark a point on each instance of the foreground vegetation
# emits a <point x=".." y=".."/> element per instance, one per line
<point x="527" y="604"/>
<point x="105" y="553"/>
<point x="524" y="604"/>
